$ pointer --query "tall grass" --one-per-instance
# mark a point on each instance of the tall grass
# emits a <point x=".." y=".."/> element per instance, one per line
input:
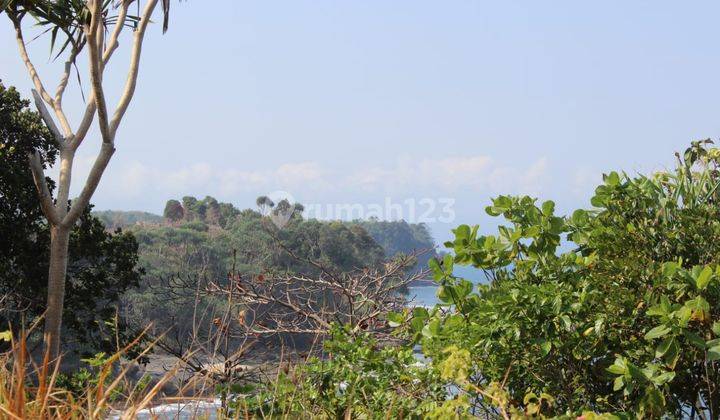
<point x="29" y="390"/>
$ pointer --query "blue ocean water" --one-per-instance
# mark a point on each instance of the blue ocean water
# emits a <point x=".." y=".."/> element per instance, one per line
<point x="427" y="295"/>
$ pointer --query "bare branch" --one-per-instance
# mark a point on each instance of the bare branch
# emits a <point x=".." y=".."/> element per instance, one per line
<point x="112" y="45"/>
<point x="119" y="25"/>
<point x="299" y="304"/>
<point x="43" y="191"/>
<point x="26" y="59"/>
<point x="45" y="114"/>
<point x="79" y="204"/>
<point x="91" y="33"/>
<point x="131" y="82"/>
<point x="66" y="72"/>
<point x="36" y="77"/>
<point x="86" y="122"/>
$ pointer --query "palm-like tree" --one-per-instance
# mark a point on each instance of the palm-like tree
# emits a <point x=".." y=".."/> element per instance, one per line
<point x="94" y="27"/>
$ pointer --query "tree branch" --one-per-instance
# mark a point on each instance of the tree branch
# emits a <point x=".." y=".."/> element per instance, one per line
<point x="36" y="77"/>
<point x="119" y="25"/>
<point x="91" y="34"/>
<point x="45" y="114"/>
<point x="112" y="45"/>
<point x="131" y="82"/>
<point x="101" y="162"/>
<point x="66" y="72"/>
<point x="46" y="202"/>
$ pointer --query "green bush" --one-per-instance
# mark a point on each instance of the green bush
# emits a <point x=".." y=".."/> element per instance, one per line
<point x="357" y="378"/>
<point x="611" y="309"/>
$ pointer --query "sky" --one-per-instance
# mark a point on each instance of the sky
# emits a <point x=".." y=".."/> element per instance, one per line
<point x="418" y="109"/>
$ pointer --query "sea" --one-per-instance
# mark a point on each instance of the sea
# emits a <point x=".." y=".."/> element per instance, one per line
<point x="426" y="294"/>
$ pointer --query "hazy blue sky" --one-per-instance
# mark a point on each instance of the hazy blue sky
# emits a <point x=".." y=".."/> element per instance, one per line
<point x="354" y="101"/>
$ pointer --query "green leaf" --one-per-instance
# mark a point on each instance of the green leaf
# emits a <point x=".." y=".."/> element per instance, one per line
<point x="672" y="355"/>
<point x="636" y="372"/>
<point x="567" y="322"/>
<point x="545" y="347"/>
<point x="417" y="324"/>
<point x="613" y="179"/>
<point x="663" y="378"/>
<point x="6" y="336"/>
<point x="713" y="353"/>
<point x="448" y="264"/>
<point x="462" y="232"/>
<point x="444" y="293"/>
<point x="700" y="308"/>
<point x="420" y="312"/>
<point x="432" y="329"/>
<point x="669" y="269"/>
<point x="694" y="339"/>
<point x="463" y="288"/>
<point x="619" y="367"/>
<point x="663" y="347"/>
<point x="703" y="278"/>
<point x="395" y="319"/>
<point x="657" y="332"/>
<point x="619" y="383"/>
<point x="580" y="217"/>
<point x="548" y="208"/>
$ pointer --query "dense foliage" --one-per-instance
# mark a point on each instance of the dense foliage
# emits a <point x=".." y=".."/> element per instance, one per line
<point x="625" y="320"/>
<point x="101" y="265"/>
<point x="400" y="237"/>
<point x="356" y="378"/>
<point x="182" y="257"/>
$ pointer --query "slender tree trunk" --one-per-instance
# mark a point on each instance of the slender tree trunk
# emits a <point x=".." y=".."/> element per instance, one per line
<point x="59" y="240"/>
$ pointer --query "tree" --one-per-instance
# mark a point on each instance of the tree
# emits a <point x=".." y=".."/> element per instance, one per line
<point x="625" y="319"/>
<point x="189" y="203"/>
<point x="213" y="215"/>
<point x="264" y="204"/>
<point x="84" y="24"/>
<point x="101" y="267"/>
<point x="173" y="211"/>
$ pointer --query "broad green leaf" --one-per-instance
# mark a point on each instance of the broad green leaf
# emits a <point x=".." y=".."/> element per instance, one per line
<point x="703" y="278"/>
<point x="663" y="378"/>
<point x="420" y="312"/>
<point x="663" y="347"/>
<point x="462" y="232"/>
<point x="395" y="319"/>
<point x="713" y="353"/>
<point x="545" y="347"/>
<point x="548" y="208"/>
<point x="669" y="269"/>
<point x="657" y="332"/>
<point x="672" y="355"/>
<point x="567" y="322"/>
<point x="448" y="264"/>
<point x="636" y="372"/>
<point x="618" y="370"/>
<point x="619" y="367"/>
<point x="716" y="328"/>
<point x="579" y="217"/>
<point x="619" y="383"/>
<point x="694" y="339"/>
<point x="700" y="308"/>
<point x="613" y="179"/>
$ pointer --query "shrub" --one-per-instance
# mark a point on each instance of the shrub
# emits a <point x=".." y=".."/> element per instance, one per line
<point x="611" y="309"/>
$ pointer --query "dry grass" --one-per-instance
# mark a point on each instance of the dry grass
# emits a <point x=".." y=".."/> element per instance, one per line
<point x="29" y="390"/>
